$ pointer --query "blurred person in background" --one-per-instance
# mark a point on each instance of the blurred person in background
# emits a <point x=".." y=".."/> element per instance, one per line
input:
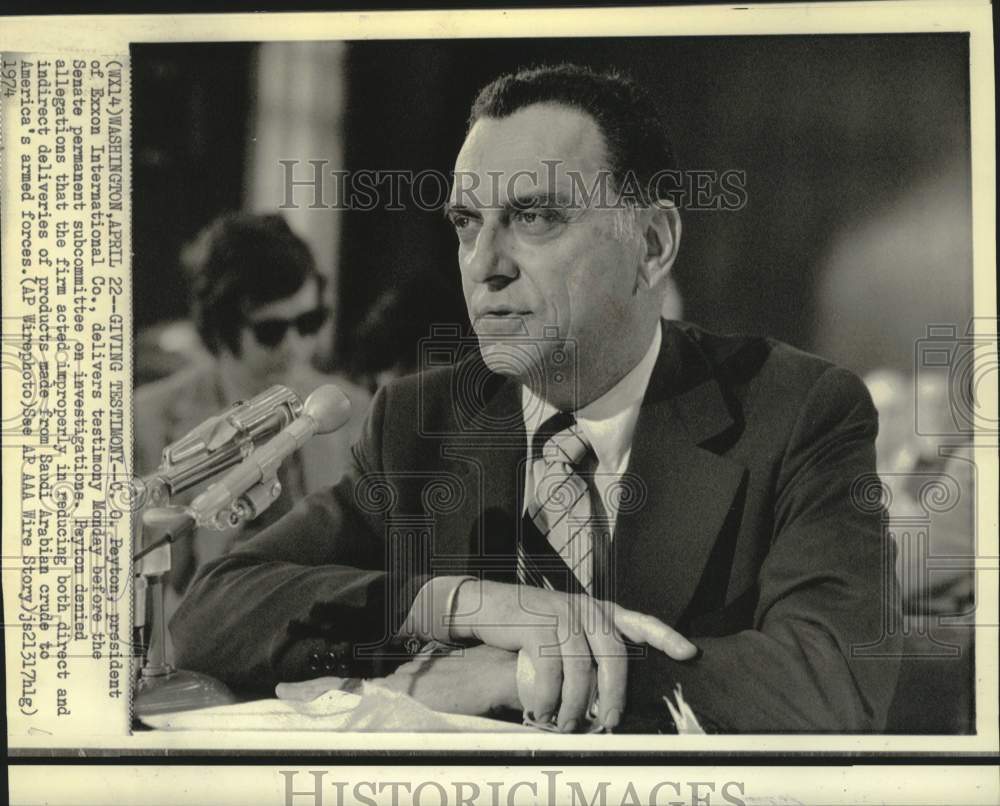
<point x="258" y="307"/>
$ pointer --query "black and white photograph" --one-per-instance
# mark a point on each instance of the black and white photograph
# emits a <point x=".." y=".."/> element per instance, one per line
<point x="526" y="406"/>
<point x="557" y="385"/>
<point x="585" y="406"/>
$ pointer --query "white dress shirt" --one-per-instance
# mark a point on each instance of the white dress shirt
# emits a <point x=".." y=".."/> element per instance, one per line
<point x="608" y="423"/>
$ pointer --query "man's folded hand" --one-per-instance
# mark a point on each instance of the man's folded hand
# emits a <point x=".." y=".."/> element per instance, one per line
<point x="567" y="639"/>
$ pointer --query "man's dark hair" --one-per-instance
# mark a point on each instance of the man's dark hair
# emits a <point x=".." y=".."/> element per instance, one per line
<point x="636" y="137"/>
<point x="239" y="262"/>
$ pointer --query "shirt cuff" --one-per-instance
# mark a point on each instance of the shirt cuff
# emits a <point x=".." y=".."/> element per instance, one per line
<point x="430" y="616"/>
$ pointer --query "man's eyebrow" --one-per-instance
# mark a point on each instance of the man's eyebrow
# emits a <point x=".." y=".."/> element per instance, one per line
<point x="448" y="208"/>
<point x="540" y="198"/>
<point x="523" y="201"/>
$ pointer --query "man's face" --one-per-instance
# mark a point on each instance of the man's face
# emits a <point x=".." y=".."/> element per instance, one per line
<point x="268" y="365"/>
<point x="542" y="273"/>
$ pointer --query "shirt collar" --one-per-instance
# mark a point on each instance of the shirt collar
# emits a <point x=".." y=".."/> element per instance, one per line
<point x="608" y="422"/>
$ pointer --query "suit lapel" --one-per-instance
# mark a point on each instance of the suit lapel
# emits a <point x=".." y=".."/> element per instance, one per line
<point x="488" y="453"/>
<point x="682" y="491"/>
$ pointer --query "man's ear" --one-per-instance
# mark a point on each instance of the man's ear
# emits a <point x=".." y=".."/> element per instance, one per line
<point x="661" y="223"/>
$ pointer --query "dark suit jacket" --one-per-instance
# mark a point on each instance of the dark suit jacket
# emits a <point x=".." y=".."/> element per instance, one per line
<point x="748" y="530"/>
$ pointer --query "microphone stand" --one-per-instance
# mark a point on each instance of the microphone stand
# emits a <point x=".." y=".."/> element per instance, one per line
<point x="161" y="688"/>
<point x="204" y="452"/>
<point x="229" y="502"/>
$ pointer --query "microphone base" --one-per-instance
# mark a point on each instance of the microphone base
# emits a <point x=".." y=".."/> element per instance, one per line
<point x="179" y="690"/>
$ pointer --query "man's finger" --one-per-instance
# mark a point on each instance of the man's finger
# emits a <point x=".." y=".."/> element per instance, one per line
<point x="578" y="674"/>
<point x="525" y="679"/>
<point x="547" y="683"/>
<point x="643" y="629"/>
<point x="612" y="668"/>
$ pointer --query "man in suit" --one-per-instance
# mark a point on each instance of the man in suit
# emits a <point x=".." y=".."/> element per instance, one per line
<point x="594" y="503"/>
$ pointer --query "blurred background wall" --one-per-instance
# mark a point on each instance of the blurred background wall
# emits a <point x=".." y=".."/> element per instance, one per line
<point x="856" y="233"/>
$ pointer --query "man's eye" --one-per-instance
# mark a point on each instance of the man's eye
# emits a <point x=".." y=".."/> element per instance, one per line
<point x="463" y="224"/>
<point x="537" y="221"/>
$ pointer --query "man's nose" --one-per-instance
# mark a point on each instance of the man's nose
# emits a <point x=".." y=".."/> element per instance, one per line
<point x="490" y="260"/>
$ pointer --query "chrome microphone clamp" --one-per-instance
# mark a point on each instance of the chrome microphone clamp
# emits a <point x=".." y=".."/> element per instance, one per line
<point x="252" y="486"/>
<point x="219" y="443"/>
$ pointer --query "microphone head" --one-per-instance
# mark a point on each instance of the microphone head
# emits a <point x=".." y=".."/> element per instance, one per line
<point x="329" y="408"/>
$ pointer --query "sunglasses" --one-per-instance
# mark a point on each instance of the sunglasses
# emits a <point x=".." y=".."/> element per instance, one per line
<point x="271" y="332"/>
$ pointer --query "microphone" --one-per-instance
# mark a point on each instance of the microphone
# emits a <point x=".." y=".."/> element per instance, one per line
<point x="220" y="442"/>
<point x="226" y="502"/>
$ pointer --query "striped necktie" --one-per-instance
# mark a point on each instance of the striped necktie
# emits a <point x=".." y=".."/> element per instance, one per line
<point x="560" y="508"/>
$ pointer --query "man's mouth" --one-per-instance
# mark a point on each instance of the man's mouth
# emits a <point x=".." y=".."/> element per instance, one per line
<point x="502" y="321"/>
<point x="502" y="312"/>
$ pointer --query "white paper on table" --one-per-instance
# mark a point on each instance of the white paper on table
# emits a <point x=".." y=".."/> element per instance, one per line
<point x="375" y="709"/>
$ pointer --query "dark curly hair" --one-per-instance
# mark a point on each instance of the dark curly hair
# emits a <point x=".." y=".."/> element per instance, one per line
<point x="239" y="262"/>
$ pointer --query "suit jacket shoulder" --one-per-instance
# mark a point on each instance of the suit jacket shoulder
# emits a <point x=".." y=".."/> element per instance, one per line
<point x="424" y="411"/>
<point x="767" y="385"/>
<point x="751" y="363"/>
